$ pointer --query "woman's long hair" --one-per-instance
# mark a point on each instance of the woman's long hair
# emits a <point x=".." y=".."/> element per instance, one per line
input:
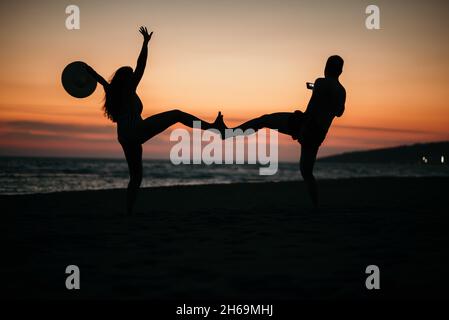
<point x="118" y="92"/>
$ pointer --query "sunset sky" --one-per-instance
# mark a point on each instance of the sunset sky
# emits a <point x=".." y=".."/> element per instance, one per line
<point x="245" y="58"/>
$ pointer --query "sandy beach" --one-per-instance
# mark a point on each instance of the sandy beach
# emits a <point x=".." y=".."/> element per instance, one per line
<point x="239" y="241"/>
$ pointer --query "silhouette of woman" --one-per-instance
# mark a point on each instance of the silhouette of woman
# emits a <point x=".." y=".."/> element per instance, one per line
<point x="123" y="106"/>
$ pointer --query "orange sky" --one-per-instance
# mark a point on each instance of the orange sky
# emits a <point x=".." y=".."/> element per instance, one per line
<point x="245" y="58"/>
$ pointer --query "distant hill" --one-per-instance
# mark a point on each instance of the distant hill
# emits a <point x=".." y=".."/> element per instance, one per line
<point x="417" y="153"/>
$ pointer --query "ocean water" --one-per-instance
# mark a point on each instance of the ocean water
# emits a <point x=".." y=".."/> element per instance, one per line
<point x="42" y="175"/>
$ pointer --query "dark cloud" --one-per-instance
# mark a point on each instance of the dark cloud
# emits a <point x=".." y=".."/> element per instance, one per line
<point x="42" y="138"/>
<point x="365" y="128"/>
<point x="63" y="128"/>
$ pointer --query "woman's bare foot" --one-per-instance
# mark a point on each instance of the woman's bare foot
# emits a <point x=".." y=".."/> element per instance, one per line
<point x="220" y="125"/>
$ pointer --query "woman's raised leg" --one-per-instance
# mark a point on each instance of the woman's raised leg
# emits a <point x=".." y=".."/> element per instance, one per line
<point x="157" y="123"/>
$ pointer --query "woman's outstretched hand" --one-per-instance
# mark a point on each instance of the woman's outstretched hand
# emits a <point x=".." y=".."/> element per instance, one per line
<point x="89" y="69"/>
<point x="94" y="74"/>
<point x="220" y="125"/>
<point x="144" y="32"/>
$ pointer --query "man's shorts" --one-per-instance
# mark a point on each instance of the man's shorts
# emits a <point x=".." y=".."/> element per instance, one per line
<point x="304" y="130"/>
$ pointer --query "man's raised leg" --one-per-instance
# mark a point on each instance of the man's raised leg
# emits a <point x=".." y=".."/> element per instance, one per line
<point x="276" y="121"/>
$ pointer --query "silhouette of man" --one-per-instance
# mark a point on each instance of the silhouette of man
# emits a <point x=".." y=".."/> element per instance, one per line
<point x="309" y="128"/>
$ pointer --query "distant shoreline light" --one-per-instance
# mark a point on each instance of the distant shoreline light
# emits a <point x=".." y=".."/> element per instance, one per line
<point x="425" y="160"/>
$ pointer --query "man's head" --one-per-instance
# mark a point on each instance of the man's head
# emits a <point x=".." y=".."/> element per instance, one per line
<point x="334" y="67"/>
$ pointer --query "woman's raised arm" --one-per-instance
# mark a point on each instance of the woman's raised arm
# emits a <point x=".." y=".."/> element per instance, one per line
<point x="142" y="60"/>
<point x="97" y="77"/>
